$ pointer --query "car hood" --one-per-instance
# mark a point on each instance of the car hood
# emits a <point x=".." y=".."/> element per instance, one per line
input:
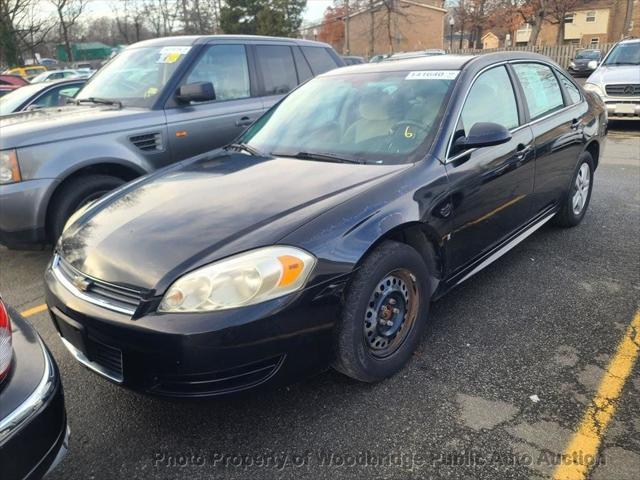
<point x="615" y="74"/>
<point x="148" y="234"/>
<point x="581" y="61"/>
<point x="65" y="123"/>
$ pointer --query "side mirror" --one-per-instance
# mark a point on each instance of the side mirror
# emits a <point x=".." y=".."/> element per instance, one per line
<point x="32" y="108"/>
<point x="483" y="134"/>
<point x="196" y="92"/>
<point x="592" y="65"/>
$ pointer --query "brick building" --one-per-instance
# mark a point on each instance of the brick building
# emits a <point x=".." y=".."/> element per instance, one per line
<point x="402" y="25"/>
<point x="592" y="23"/>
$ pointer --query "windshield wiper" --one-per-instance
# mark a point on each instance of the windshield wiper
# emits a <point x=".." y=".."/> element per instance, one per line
<point x="99" y="101"/>
<point x="325" y="157"/>
<point x="244" y="147"/>
<point x="621" y="63"/>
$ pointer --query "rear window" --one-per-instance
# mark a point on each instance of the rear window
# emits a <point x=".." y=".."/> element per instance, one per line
<point x="541" y="88"/>
<point x="278" y="70"/>
<point x="320" y="59"/>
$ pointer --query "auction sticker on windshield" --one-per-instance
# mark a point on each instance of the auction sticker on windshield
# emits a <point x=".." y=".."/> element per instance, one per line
<point x="172" y="54"/>
<point x="432" y="75"/>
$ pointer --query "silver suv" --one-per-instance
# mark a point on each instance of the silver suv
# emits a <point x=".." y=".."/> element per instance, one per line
<point x="157" y="102"/>
<point x="617" y="80"/>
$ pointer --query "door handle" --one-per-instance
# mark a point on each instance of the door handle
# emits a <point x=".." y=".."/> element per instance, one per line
<point x="244" y="122"/>
<point x="522" y="151"/>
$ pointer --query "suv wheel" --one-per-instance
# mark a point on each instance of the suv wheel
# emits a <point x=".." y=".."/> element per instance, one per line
<point x="74" y="195"/>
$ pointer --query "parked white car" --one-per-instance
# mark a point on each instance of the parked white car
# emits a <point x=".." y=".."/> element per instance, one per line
<point x="617" y="80"/>
<point x="55" y="75"/>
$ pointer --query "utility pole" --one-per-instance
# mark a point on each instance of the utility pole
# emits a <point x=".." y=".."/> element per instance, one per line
<point x="628" y="19"/>
<point x="347" y="50"/>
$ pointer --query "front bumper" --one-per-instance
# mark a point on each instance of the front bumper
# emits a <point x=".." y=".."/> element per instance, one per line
<point x="23" y="212"/>
<point x="200" y="354"/>
<point x="622" y="108"/>
<point x="33" y="423"/>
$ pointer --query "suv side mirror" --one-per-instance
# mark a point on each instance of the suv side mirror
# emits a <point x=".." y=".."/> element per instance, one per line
<point x="196" y="92"/>
<point x="592" y="65"/>
<point x="483" y="134"/>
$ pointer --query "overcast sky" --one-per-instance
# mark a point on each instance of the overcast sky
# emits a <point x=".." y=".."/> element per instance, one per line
<point x="315" y="8"/>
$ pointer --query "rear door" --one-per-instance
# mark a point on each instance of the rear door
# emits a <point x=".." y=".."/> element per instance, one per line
<point x="278" y="71"/>
<point x="203" y="126"/>
<point x="491" y="187"/>
<point x="556" y="116"/>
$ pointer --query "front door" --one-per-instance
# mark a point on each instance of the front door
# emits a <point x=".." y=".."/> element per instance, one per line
<point x="491" y="187"/>
<point x="203" y="126"/>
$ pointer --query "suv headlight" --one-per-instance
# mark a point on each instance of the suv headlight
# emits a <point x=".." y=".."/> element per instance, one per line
<point x="245" y="279"/>
<point x="592" y="87"/>
<point x="9" y="168"/>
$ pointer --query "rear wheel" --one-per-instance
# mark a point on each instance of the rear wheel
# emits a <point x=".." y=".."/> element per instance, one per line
<point x="75" y="194"/>
<point x="576" y="202"/>
<point x="384" y="313"/>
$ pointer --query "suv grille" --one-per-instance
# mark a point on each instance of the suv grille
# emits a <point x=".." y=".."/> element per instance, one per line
<point x="107" y="295"/>
<point x="623" y="90"/>
<point x="149" y="142"/>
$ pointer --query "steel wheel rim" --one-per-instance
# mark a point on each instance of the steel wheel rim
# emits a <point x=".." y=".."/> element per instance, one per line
<point x="581" y="189"/>
<point x="391" y="313"/>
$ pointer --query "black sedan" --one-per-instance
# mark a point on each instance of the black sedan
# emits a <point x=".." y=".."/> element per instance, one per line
<point x="579" y="65"/>
<point x="40" y="95"/>
<point x="33" y="423"/>
<point x="321" y="237"/>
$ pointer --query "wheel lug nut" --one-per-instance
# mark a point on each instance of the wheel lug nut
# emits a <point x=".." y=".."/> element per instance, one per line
<point x="392" y="301"/>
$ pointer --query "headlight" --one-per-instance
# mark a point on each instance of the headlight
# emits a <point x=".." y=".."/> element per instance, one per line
<point x="9" y="169"/>
<point x="592" y="87"/>
<point x="572" y="64"/>
<point x="241" y="280"/>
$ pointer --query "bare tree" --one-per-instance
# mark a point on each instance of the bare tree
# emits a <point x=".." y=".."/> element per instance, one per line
<point x="557" y="11"/>
<point x="162" y="16"/>
<point x="68" y="11"/>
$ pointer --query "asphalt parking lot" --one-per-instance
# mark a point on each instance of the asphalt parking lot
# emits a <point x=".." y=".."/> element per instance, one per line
<point x="502" y="384"/>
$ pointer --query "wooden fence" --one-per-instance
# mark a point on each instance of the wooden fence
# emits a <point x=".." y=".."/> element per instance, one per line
<point x="562" y="54"/>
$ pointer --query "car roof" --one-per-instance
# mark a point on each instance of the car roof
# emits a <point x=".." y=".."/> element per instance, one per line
<point x="183" y="40"/>
<point x="441" y="62"/>
<point x="630" y="40"/>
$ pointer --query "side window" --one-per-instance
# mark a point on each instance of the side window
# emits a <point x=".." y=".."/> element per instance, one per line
<point x="277" y="68"/>
<point x="572" y="90"/>
<point x="304" y="72"/>
<point x="225" y="66"/>
<point x="541" y="88"/>
<point x="51" y="98"/>
<point x="320" y="59"/>
<point x="491" y="99"/>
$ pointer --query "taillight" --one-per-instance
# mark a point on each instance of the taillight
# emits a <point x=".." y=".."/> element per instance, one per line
<point x="6" y="350"/>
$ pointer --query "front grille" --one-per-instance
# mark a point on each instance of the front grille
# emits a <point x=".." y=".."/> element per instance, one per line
<point x="106" y="356"/>
<point x="221" y="381"/>
<point x="148" y="142"/>
<point x="108" y="295"/>
<point x="623" y="90"/>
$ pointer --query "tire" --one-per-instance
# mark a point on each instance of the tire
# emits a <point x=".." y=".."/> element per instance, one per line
<point x="385" y="270"/>
<point x="75" y="194"/>
<point x="569" y="215"/>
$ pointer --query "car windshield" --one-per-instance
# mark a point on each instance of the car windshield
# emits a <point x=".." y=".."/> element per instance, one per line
<point x="624" y="54"/>
<point x="588" y="55"/>
<point x="382" y="118"/>
<point x="135" y="77"/>
<point x="40" y="78"/>
<point x="13" y="100"/>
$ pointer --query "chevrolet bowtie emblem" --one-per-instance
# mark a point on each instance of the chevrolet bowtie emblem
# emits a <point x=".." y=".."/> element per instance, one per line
<point x="81" y="283"/>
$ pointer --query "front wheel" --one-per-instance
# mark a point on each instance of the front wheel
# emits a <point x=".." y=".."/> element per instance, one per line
<point x="74" y="195"/>
<point x="576" y="202"/>
<point x="384" y="313"/>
